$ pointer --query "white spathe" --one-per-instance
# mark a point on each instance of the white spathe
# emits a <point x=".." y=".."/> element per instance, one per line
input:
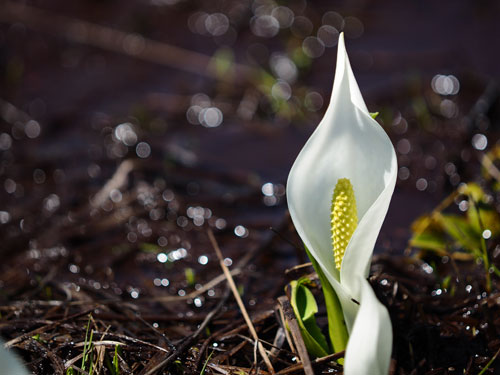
<point x="10" y="363"/>
<point x="348" y="143"/>
<point x="370" y="343"/>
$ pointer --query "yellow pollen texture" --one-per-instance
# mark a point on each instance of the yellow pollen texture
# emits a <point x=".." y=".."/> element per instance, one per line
<point x="344" y="218"/>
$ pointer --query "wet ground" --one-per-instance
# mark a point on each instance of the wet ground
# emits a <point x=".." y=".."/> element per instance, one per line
<point x="127" y="130"/>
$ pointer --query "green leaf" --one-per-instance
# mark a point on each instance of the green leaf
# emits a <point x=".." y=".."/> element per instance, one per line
<point x="337" y="329"/>
<point x="374" y="114"/>
<point x="429" y="241"/>
<point x="473" y="190"/>
<point x="476" y="214"/>
<point x="461" y="231"/>
<point x="304" y="306"/>
<point x="481" y="215"/>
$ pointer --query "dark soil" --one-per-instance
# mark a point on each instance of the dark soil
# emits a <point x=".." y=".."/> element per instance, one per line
<point x="109" y="183"/>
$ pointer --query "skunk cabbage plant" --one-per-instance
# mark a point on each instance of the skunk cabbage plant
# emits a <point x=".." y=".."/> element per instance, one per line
<point x="9" y="363"/>
<point x="338" y="192"/>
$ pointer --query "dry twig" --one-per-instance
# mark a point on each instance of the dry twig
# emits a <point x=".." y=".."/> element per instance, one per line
<point x="297" y="337"/>
<point x="236" y="295"/>
<point x="149" y="370"/>
<point x="78" y="31"/>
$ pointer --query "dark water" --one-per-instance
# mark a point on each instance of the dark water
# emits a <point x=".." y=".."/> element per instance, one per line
<point x="88" y="85"/>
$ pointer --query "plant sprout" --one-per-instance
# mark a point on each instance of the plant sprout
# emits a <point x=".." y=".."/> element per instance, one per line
<point x="351" y="156"/>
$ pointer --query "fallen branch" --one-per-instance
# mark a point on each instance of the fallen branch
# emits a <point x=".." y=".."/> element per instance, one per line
<point x="293" y="326"/>
<point x="149" y="370"/>
<point x="236" y="295"/>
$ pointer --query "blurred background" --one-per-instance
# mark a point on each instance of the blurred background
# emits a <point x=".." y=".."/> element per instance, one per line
<point x="128" y="128"/>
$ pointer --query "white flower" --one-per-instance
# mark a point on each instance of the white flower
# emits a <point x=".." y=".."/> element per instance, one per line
<point x="370" y="343"/>
<point x="9" y="363"/>
<point x="348" y="143"/>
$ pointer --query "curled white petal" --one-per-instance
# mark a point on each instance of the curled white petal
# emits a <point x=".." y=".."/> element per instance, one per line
<point x="9" y="363"/>
<point x="347" y="143"/>
<point x="370" y="342"/>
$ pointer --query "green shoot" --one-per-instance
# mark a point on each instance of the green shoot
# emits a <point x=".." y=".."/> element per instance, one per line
<point x="114" y="365"/>
<point x="190" y="276"/>
<point x="116" y="361"/>
<point x="37" y="338"/>
<point x="87" y="350"/>
<point x="203" y="369"/>
<point x="489" y="363"/>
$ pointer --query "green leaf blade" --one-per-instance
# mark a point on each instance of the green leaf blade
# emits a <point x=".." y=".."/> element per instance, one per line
<point x="305" y="307"/>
